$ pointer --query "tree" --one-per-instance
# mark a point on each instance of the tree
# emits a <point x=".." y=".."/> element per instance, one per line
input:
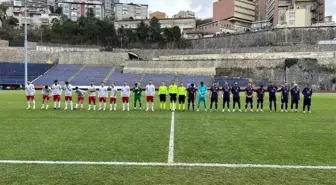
<point x="3" y="11"/>
<point x="155" y="30"/>
<point x="90" y="14"/>
<point x="58" y="10"/>
<point x="176" y="33"/>
<point x="12" y="21"/>
<point x="142" y="31"/>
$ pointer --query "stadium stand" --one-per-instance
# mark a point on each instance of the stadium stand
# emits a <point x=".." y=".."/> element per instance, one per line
<point x="118" y="78"/>
<point x="61" y="72"/>
<point x="91" y="73"/>
<point x="157" y="79"/>
<point x="196" y="79"/>
<point x="13" y="73"/>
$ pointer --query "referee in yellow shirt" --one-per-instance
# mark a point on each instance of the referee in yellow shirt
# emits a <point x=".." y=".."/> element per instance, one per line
<point x="172" y="90"/>
<point x="182" y="93"/>
<point x="163" y="92"/>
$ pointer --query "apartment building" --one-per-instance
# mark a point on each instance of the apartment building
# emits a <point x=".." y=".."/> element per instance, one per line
<point x="35" y="9"/>
<point x="239" y="12"/>
<point x="131" y="11"/>
<point x="74" y="9"/>
<point x="183" y="23"/>
<point x="159" y="15"/>
<point x="185" y="14"/>
<point x="277" y="11"/>
<point x="109" y="6"/>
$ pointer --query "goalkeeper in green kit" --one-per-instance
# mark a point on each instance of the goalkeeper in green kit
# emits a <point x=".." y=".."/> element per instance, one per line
<point x="137" y="95"/>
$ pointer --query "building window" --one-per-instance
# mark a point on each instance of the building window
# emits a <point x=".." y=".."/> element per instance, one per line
<point x="292" y="22"/>
<point x="291" y="15"/>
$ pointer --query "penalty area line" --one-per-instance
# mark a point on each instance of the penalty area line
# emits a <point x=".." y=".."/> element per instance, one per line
<point x="169" y="164"/>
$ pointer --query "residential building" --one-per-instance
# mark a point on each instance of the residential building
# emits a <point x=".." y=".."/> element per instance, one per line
<point x="109" y="6"/>
<point x="238" y="12"/>
<point x="159" y="15"/>
<point x="221" y="26"/>
<point x="184" y="14"/>
<point x="298" y="18"/>
<point x="261" y="25"/>
<point x="276" y="10"/>
<point x="131" y="11"/>
<point x="35" y="9"/>
<point x="183" y="23"/>
<point x="74" y="9"/>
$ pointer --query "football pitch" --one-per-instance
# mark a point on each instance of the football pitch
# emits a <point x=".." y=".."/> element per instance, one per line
<point x="138" y="147"/>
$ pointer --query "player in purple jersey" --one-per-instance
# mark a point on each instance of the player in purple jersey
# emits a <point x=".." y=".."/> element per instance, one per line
<point x="249" y="97"/>
<point x="272" y="89"/>
<point x="284" y="97"/>
<point x="191" y="96"/>
<point x="307" y="94"/>
<point x="214" y="96"/>
<point x="226" y="96"/>
<point x="295" y="95"/>
<point x="236" y="98"/>
<point x="260" y="98"/>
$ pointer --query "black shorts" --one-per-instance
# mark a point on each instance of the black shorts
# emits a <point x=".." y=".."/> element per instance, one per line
<point x="284" y="100"/>
<point x="214" y="100"/>
<point x="191" y="99"/>
<point x="260" y="101"/>
<point x="272" y="98"/>
<point x="307" y="101"/>
<point x="249" y="100"/>
<point x="181" y="99"/>
<point x="163" y="98"/>
<point x="173" y="97"/>
<point x="236" y="99"/>
<point x="226" y="99"/>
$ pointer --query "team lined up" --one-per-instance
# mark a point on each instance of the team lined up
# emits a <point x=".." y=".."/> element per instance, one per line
<point x="177" y="95"/>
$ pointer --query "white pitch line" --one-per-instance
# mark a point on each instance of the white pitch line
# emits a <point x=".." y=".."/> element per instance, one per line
<point x="171" y="139"/>
<point x="169" y="164"/>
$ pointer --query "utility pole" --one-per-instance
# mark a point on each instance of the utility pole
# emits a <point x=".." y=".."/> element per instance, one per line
<point x="25" y="44"/>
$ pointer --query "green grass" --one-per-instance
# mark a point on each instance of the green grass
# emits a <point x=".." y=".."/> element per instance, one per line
<point x="138" y="136"/>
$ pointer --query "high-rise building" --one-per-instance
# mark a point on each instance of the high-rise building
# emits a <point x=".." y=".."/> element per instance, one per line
<point x="109" y="7"/>
<point x="159" y="15"/>
<point x="35" y="9"/>
<point x="239" y="12"/>
<point x="185" y="14"/>
<point x="74" y="9"/>
<point x="276" y="10"/>
<point x="131" y="11"/>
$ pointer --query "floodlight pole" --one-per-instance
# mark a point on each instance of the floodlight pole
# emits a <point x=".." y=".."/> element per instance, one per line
<point x="25" y="44"/>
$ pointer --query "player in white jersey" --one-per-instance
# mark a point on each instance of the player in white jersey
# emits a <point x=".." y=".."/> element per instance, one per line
<point x="30" y="94"/>
<point x="102" y="94"/>
<point x="56" y="90"/>
<point x="68" y="95"/>
<point x="45" y="96"/>
<point x="125" y="94"/>
<point x="113" y="98"/>
<point x="80" y="97"/>
<point x="92" y="96"/>
<point x="150" y="93"/>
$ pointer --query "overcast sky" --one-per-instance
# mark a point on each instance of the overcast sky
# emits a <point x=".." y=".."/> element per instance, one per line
<point x="203" y="8"/>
